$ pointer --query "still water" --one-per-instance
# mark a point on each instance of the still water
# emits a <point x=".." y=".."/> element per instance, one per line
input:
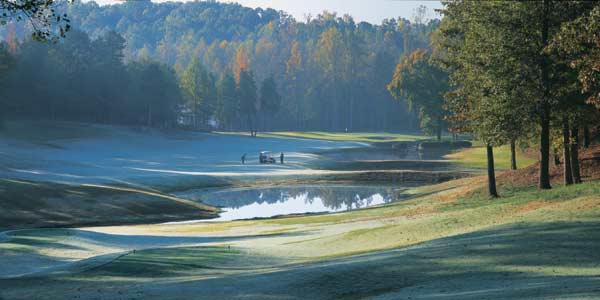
<point x="265" y="202"/>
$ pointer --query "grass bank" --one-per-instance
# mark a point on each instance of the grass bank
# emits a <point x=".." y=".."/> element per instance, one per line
<point x="449" y="242"/>
<point x="476" y="157"/>
<point x="29" y="204"/>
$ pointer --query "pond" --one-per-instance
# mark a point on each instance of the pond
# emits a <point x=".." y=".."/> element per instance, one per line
<point x="266" y="202"/>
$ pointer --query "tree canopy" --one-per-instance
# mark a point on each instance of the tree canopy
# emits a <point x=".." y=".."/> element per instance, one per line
<point x="300" y="55"/>
<point x="507" y="81"/>
<point x="422" y="84"/>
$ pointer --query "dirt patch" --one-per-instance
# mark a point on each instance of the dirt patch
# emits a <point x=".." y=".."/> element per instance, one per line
<point x="589" y="204"/>
<point x="419" y="211"/>
<point x="532" y="206"/>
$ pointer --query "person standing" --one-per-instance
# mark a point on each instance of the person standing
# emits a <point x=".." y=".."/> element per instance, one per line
<point x="244" y="159"/>
<point x="281" y="158"/>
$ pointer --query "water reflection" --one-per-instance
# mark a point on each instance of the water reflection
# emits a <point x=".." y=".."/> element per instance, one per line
<point x="247" y="203"/>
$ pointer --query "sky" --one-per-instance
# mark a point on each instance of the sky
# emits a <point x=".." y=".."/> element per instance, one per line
<point x="372" y="11"/>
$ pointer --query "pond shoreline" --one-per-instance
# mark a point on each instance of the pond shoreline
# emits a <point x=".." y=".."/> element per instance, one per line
<point x="154" y="204"/>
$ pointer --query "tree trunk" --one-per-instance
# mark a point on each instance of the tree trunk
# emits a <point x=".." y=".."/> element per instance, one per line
<point x="575" y="155"/>
<point x="351" y="127"/>
<point x="439" y="129"/>
<point x="568" y="177"/>
<point x="491" y="172"/>
<point x="513" y="155"/>
<point x="149" y="115"/>
<point x="544" y="181"/>
<point x="249" y="120"/>
<point x="586" y="137"/>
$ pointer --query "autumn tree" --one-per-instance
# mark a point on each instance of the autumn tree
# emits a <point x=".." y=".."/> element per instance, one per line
<point x="497" y="54"/>
<point x="228" y="106"/>
<point x="270" y="100"/>
<point x="422" y="84"/>
<point x="246" y="90"/>
<point x="484" y="100"/>
<point x="45" y="21"/>
<point x="199" y="87"/>
<point x="577" y="45"/>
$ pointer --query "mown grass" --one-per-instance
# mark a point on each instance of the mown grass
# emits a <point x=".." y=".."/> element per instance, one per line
<point x="342" y="136"/>
<point x="510" y="195"/>
<point x="442" y="211"/>
<point x="46" y="131"/>
<point x="32" y="204"/>
<point x="181" y="261"/>
<point x="32" y="241"/>
<point x="445" y="211"/>
<point x="476" y="158"/>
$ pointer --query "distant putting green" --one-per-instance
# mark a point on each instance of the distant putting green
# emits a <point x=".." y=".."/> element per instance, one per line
<point x="343" y="136"/>
<point x="476" y="158"/>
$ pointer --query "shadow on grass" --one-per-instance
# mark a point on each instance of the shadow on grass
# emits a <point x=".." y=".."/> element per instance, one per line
<point x="27" y="204"/>
<point x="138" y="255"/>
<point x="518" y="262"/>
<point x="523" y="261"/>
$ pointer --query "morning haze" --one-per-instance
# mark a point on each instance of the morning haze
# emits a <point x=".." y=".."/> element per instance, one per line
<point x="374" y="150"/>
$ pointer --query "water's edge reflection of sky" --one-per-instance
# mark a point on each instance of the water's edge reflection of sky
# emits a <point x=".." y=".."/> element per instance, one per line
<point x="265" y="202"/>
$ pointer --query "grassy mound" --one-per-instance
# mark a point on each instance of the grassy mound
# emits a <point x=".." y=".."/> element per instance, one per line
<point x="26" y="204"/>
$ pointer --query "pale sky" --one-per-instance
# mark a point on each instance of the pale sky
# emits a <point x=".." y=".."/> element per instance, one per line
<point x="372" y="11"/>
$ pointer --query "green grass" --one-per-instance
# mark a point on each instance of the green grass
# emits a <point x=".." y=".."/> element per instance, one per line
<point x="32" y="241"/>
<point x="47" y="131"/>
<point x="85" y="204"/>
<point x="447" y="209"/>
<point x="342" y="136"/>
<point x="476" y="158"/>
<point x="526" y="231"/>
<point x="168" y="262"/>
<point x="510" y="195"/>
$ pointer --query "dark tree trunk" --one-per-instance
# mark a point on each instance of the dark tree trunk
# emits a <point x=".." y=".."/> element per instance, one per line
<point x="439" y="129"/>
<point x="544" y="181"/>
<point x="491" y="172"/>
<point x="250" y="125"/>
<point x="351" y="127"/>
<point x="575" y="155"/>
<point x="149" y="115"/>
<point x="513" y="155"/>
<point x="568" y="177"/>
<point x="586" y="137"/>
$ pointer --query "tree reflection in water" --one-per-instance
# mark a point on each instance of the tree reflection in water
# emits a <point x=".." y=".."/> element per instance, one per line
<point x="281" y="200"/>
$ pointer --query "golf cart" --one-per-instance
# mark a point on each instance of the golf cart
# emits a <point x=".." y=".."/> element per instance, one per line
<point x="265" y="157"/>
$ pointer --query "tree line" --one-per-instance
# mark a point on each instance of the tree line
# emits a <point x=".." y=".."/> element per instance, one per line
<point x="510" y="72"/>
<point x="330" y="71"/>
<point x="84" y="79"/>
